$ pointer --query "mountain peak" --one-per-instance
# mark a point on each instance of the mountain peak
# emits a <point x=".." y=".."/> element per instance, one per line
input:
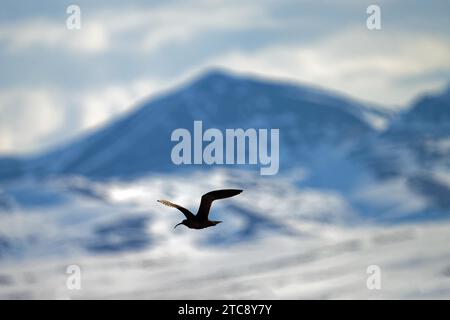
<point x="217" y="73"/>
<point x="214" y="76"/>
<point x="434" y="108"/>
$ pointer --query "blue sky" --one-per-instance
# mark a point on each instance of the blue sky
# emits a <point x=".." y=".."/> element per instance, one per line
<point x="56" y="83"/>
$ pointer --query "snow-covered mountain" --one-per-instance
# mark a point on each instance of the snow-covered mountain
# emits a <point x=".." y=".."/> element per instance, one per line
<point x="417" y="139"/>
<point x="416" y="148"/>
<point x="335" y="142"/>
<point x="139" y="143"/>
<point x="330" y="142"/>
<point x="424" y="131"/>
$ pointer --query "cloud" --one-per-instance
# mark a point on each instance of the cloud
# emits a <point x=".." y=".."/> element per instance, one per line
<point x="143" y="29"/>
<point x="175" y="25"/>
<point x="372" y="66"/>
<point x="44" y="33"/>
<point x="28" y="116"/>
<point x="99" y="106"/>
<point x="37" y="118"/>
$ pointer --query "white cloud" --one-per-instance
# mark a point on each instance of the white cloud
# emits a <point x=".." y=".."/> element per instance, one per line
<point x="28" y="116"/>
<point x="36" y="118"/>
<point x="366" y="65"/>
<point x="174" y="25"/>
<point x="99" y="106"/>
<point x="155" y="27"/>
<point x="93" y="37"/>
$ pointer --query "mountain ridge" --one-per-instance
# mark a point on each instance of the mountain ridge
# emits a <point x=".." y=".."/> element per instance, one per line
<point x="308" y="116"/>
<point x="220" y="100"/>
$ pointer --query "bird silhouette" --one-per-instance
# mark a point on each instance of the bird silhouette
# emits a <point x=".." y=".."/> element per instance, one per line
<point x="200" y="220"/>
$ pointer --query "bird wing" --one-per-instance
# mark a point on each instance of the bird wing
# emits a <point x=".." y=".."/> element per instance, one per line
<point x="186" y="212"/>
<point x="208" y="198"/>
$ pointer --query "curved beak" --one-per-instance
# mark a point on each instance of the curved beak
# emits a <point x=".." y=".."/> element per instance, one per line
<point x="177" y="225"/>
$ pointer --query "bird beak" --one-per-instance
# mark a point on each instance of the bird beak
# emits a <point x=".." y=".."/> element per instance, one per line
<point x="178" y="225"/>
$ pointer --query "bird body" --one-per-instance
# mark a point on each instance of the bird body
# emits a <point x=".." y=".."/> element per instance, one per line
<point x="201" y="220"/>
<point x="192" y="224"/>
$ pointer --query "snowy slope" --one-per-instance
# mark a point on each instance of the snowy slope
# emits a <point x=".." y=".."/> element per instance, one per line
<point x="292" y="244"/>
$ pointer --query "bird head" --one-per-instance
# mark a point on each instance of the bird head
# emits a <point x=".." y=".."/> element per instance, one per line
<point x="182" y="222"/>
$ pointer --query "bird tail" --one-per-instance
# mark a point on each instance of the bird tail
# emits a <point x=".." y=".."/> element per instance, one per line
<point x="167" y="203"/>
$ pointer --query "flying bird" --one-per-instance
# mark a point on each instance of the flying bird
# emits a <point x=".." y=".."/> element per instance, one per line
<point x="200" y="220"/>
